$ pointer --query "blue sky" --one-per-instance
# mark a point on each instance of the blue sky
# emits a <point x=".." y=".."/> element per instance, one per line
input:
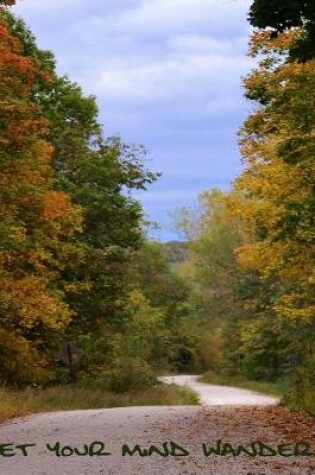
<point x="167" y="75"/>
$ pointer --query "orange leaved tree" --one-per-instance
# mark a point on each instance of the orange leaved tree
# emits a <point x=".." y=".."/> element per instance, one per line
<point x="38" y="225"/>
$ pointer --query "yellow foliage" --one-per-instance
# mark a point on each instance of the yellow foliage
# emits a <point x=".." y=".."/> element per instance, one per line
<point x="38" y="224"/>
<point x="278" y="146"/>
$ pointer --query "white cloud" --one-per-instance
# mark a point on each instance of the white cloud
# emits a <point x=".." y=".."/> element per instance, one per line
<point x="75" y="6"/>
<point x="109" y="51"/>
<point x="164" y="21"/>
<point x="167" y="73"/>
<point x="206" y="44"/>
<point x="198" y="75"/>
<point x="169" y="15"/>
<point x="50" y="4"/>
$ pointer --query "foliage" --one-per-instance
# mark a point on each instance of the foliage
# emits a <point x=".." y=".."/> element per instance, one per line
<point x="279" y="177"/>
<point x="97" y="173"/>
<point x="89" y="396"/>
<point x="159" y="281"/>
<point x="39" y="224"/>
<point x="70" y="225"/>
<point x="277" y="143"/>
<point x="280" y="15"/>
<point x="221" y="293"/>
<point x="251" y="262"/>
<point x="176" y="252"/>
<point x="274" y="389"/>
<point x="132" y="352"/>
<point x="302" y="392"/>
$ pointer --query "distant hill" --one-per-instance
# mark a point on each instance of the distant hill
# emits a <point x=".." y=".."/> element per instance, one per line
<point x="176" y="251"/>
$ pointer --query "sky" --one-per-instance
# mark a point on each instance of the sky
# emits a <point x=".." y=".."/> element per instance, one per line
<point x="166" y="75"/>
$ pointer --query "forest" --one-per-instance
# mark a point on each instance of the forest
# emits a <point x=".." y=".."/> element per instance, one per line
<point x="234" y="299"/>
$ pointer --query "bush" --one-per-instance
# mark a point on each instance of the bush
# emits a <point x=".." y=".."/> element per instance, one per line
<point x="129" y="374"/>
<point x="210" y="350"/>
<point x="302" y="389"/>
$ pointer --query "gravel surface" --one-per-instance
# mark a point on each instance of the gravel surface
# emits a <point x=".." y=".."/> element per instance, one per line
<point x="187" y="426"/>
<point x="213" y="395"/>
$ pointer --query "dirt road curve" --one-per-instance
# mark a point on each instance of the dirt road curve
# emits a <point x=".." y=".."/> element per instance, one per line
<point x="182" y="430"/>
<point x="212" y="395"/>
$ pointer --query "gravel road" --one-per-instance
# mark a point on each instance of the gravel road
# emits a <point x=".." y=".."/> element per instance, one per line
<point x="182" y="430"/>
<point x="213" y="395"/>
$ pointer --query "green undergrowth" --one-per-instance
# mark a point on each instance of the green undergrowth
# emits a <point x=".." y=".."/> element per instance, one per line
<point x="272" y="389"/>
<point x="74" y="397"/>
<point x="301" y="394"/>
<point x="306" y="403"/>
<point x="297" y="396"/>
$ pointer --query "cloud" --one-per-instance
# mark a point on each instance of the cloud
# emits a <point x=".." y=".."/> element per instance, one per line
<point x="63" y="8"/>
<point x="207" y="44"/>
<point x="156" y="17"/>
<point x="166" y="73"/>
<point x="196" y="74"/>
<point x="49" y="4"/>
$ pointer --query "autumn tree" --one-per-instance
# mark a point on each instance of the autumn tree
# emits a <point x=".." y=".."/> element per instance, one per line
<point x="168" y="293"/>
<point x="278" y="144"/>
<point x="99" y="174"/>
<point x="38" y="223"/>
<point x="281" y="15"/>
<point x="222" y="294"/>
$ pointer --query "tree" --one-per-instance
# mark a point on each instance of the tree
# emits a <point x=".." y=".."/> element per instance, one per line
<point x="167" y="293"/>
<point x="38" y="223"/>
<point x="98" y="175"/>
<point x="277" y="143"/>
<point x="222" y="294"/>
<point x="283" y="14"/>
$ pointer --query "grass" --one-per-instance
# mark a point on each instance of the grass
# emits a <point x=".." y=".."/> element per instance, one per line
<point x="305" y="403"/>
<point x="303" y="398"/>
<point x="74" y="397"/>
<point x="272" y="389"/>
<point x="300" y="399"/>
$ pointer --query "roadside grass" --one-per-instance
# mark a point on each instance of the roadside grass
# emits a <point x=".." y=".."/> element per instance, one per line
<point x="306" y="403"/>
<point x="273" y="389"/>
<point x="74" y="397"/>
<point x="299" y="399"/>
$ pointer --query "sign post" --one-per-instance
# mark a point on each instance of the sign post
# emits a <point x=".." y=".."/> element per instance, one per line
<point x="70" y="355"/>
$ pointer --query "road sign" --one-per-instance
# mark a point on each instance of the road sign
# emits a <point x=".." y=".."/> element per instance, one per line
<point x="70" y="355"/>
